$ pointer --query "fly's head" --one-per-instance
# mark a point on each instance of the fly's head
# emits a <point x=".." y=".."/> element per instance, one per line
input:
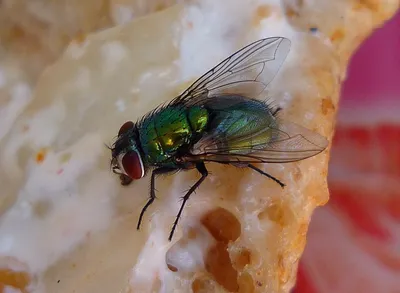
<point x="126" y="159"/>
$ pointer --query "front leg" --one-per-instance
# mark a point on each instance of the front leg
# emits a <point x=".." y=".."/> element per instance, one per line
<point x="204" y="173"/>
<point x="158" y="171"/>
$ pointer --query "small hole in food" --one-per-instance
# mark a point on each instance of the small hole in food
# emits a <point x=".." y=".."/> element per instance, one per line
<point x="203" y="285"/>
<point x="187" y="255"/>
<point x="17" y="280"/>
<point x="246" y="283"/>
<point x="218" y="264"/>
<point x="172" y="268"/>
<point x="278" y="213"/>
<point x="222" y="225"/>
<point x="242" y="258"/>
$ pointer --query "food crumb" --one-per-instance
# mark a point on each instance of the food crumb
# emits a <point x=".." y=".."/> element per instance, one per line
<point x="337" y="35"/>
<point x="79" y="38"/>
<point x="327" y="106"/>
<point x="41" y="155"/>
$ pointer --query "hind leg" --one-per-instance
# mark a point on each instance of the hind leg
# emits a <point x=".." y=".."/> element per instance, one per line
<point x="266" y="174"/>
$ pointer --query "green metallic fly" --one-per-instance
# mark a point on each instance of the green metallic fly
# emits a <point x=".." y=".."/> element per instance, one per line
<point x="217" y="119"/>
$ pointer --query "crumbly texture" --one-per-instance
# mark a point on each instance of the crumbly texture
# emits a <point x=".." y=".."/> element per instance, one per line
<point x="239" y="232"/>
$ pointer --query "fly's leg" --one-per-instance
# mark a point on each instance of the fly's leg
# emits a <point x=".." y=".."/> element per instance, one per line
<point x="155" y="172"/>
<point x="266" y="174"/>
<point x="204" y="173"/>
<point x="277" y="110"/>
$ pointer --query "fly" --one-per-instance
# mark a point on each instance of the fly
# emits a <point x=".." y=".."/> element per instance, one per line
<point x="217" y="119"/>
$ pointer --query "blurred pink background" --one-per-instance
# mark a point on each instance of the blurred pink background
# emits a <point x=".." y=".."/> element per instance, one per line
<point x="354" y="241"/>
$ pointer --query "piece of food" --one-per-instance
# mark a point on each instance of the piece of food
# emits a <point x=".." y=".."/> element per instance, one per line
<point x="352" y="243"/>
<point x="239" y="232"/>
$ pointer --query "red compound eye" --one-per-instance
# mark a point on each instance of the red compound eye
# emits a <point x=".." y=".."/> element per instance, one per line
<point x="125" y="127"/>
<point x="133" y="165"/>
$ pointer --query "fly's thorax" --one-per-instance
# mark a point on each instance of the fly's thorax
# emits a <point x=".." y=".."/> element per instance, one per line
<point x="168" y="131"/>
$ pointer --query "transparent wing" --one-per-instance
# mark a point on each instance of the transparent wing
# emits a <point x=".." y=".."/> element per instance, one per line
<point x="280" y="143"/>
<point x="247" y="72"/>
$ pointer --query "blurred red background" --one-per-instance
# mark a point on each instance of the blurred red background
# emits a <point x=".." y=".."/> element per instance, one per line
<point x="354" y="241"/>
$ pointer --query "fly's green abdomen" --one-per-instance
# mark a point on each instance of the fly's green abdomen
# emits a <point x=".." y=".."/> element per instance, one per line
<point x="246" y="124"/>
<point x="170" y="129"/>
